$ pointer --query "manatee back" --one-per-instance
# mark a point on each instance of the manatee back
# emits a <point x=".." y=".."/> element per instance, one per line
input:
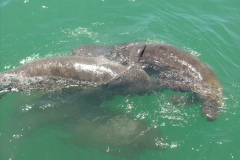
<point x="119" y="53"/>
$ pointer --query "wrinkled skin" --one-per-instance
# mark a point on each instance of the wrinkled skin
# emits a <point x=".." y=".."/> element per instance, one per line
<point x="174" y="68"/>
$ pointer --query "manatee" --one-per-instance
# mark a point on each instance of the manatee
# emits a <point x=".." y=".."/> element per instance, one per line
<point x="126" y="68"/>
<point x="60" y="72"/>
<point x="174" y="69"/>
<point x="117" y="53"/>
<point x="55" y="73"/>
<point x="115" y="133"/>
<point x="85" y="124"/>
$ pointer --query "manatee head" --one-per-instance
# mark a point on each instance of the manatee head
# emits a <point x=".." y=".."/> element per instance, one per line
<point x="210" y="110"/>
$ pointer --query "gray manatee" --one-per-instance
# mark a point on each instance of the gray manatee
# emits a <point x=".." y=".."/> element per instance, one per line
<point x="174" y="69"/>
<point x="60" y="72"/>
<point x="117" y="53"/>
<point x="84" y="124"/>
<point x="130" y="67"/>
<point x="91" y="70"/>
<point x="55" y="73"/>
<point x="114" y="133"/>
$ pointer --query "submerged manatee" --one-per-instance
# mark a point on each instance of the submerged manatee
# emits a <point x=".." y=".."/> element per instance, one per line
<point x="175" y="69"/>
<point x="114" y="133"/>
<point x="82" y="123"/>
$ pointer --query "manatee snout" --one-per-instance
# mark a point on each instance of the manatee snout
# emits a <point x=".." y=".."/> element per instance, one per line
<point x="210" y="110"/>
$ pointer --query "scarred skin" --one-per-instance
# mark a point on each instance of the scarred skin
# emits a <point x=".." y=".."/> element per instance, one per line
<point x="174" y="68"/>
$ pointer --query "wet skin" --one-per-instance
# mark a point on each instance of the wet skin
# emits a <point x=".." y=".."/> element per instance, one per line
<point x="104" y="70"/>
<point x="175" y="69"/>
<point x="130" y="67"/>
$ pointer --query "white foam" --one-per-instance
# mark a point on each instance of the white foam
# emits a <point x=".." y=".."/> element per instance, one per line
<point x="94" y="68"/>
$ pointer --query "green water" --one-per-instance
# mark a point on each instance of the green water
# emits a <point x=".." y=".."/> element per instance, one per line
<point x="209" y="29"/>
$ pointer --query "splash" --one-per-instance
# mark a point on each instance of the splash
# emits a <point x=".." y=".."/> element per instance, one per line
<point x="30" y="58"/>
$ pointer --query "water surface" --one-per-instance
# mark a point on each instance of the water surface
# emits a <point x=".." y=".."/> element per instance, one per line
<point x="208" y="29"/>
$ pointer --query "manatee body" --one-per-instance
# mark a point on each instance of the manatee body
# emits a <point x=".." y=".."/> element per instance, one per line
<point x="116" y="134"/>
<point x="182" y="71"/>
<point x="61" y="72"/>
<point x="86" y="125"/>
<point x="54" y="73"/>
<point x="174" y="69"/>
<point x="117" y="53"/>
<point x="130" y="67"/>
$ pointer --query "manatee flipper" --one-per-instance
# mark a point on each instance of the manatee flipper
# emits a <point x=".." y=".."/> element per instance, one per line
<point x="136" y="52"/>
<point x="183" y="98"/>
<point x="133" y="81"/>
